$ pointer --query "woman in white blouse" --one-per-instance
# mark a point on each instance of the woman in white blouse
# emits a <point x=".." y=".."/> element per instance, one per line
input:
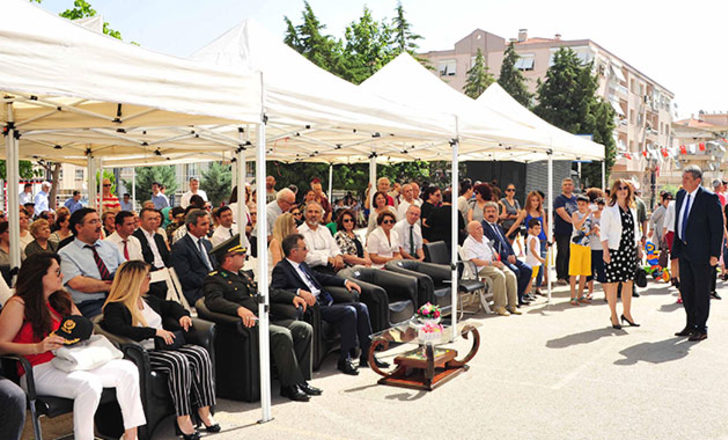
<point x="383" y="242"/>
<point x="380" y="206"/>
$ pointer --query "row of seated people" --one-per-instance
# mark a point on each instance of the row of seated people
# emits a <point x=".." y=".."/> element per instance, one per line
<point x="90" y="265"/>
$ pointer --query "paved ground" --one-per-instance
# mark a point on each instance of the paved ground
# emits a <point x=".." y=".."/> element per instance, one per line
<point x="556" y="372"/>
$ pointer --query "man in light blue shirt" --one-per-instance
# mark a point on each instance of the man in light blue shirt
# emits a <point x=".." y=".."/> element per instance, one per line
<point x="41" y="199"/>
<point x="126" y="204"/>
<point x="158" y="198"/>
<point x="88" y="264"/>
<point x="74" y="203"/>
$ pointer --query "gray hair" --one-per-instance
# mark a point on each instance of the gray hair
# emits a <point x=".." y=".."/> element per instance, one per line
<point x="717" y="183"/>
<point x="284" y="193"/>
<point x="193" y="216"/>
<point x="695" y="171"/>
<point x="490" y="204"/>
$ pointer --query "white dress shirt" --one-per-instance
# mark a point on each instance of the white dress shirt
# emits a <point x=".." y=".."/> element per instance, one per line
<point x="222" y="233"/>
<point x="378" y="243"/>
<point x="158" y="262"/>
<point x="404" y="206"/>
<point x="480" y="250"/>
<point x="133" y="245"/>
<point x="304" y="277"/>
<point x="185" y="201"/>
<point x="26" y="197"/>
<point x="205" y="257"/>
<point x="402" y="228"/>
<point x="669" y="223"/>
<point x="683" y="214"/>
<point x="320" y="243"/>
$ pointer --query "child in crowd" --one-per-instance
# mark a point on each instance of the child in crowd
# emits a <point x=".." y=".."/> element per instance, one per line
<point x="533" y="249"/>
<point x="597" y="261"/>
<point x="580" y="252"/>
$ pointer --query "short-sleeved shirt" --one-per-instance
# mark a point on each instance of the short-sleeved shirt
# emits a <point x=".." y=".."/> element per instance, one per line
<point x="160" y="201"/>
<point x="480" y="250"/>
<point x="77" y="260"/>
<point x="641" y="211"/>
<point x="561" y="227"/>
<point x="377" y="243"/>
<point x="73" y="205"/>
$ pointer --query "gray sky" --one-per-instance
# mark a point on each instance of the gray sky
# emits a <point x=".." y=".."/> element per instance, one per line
<point x="682" y="46"/>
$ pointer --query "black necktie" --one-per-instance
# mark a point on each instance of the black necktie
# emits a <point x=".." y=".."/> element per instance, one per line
<point x="412" y="240"/>
<point x="328" y="299"/>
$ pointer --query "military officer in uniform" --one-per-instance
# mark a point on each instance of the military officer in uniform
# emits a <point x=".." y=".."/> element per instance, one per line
<point x="228" y="290"/>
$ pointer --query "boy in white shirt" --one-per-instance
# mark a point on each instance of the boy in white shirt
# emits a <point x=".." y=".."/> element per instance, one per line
<point x="533" y="249"/>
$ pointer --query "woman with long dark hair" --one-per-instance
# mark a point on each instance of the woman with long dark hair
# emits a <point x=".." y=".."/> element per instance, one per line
<point x="130" y="312"/>
<point x="27" y="323"/>
<point x="619" y="232"/>
<point x="431" y="196"/>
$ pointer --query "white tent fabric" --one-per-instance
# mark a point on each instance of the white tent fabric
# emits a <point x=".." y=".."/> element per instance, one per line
<point x="315" y="115"/>
<point x="486" y="133"/>
<point x="60" y="75"/>
<point x="499" y="101"/>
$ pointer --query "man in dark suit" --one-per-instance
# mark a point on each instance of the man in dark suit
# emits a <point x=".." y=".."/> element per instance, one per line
<point x="190" y="255"/>
<point x="352" y="319"/>
<point x="154" y="248"/>
<point x="230" y="291"/>
<point x="698" y="236"/>
<point x="497" y="235"/>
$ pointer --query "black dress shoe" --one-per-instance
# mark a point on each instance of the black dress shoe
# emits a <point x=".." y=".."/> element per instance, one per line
<point x="294" y="393"/>
<point x="698" y="336"/>
<point x="635" y="294"/>
<point x="310" y="390"/>
<point x="715" y="295"/>
<point x="364" y="362"/>
<point x="687" y="331"/>
<point x="347" y="367"/>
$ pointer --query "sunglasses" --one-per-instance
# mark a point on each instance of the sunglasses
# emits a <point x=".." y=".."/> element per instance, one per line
<point x="510" y="189"/>
<point x="295" y="213"/>
<point x="388" y="222"/>
<point x="348" y="220"/>
<point x="623" y="188"/>
<point x="107" y="185"/>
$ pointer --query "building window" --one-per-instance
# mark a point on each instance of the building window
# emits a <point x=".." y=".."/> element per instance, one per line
<point x="631" y="117"/>
<point x="80" y="173"/>
<point x="447" y="67"/>
<point x="525" y="62"/>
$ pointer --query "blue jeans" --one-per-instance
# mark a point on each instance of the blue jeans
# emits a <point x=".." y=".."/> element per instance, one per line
<point x="12" y="415"/>
<point x="597" y="266"/>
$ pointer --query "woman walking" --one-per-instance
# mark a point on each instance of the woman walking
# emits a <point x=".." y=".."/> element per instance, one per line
<point x="620" y="239"/>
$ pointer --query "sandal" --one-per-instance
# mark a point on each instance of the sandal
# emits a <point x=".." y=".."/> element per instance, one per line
<point x="574" y="302"/>
<point x="584" y="300"/>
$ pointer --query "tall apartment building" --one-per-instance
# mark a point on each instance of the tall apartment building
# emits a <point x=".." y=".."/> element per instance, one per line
<point x="643" y="107"/>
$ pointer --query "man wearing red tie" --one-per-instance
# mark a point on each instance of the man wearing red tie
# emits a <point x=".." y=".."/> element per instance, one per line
<point x="128" y="245"/>
<point x="699" y="231"/>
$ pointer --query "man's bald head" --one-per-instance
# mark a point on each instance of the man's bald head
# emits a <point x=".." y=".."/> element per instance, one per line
<point x="475" y="229"/>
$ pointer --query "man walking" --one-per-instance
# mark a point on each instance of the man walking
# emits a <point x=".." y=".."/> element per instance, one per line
<point x="699" y="231"/>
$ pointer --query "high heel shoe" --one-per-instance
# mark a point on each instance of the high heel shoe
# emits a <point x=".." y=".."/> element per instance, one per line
<point x="194" y="436"/>
<point x="616" y="326"/>
<point x="631" y="324"/>
<point x="197" y="421"/>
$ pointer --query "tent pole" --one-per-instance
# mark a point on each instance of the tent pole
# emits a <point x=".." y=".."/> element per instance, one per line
<point x="234" y="170"/>
<point x="604" y="174"/>
<point x="263" y="325"/>
<point x="372" y="179"/>
<point x="454" y="177"/>
<point x="133" y="188"/>
<point x="13" y="174"/>
<point x="239" y="175"/>
<point x="549" y="232"/>
<point x="331" y="183"/>
<point x="91" y="182"/>
<point x="100" y="167"/>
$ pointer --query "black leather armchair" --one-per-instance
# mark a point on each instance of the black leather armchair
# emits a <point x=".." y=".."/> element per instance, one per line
<point x="433" y="280"/>
<point x="390" y="297"/>
<point x="153" y="385"/>
<point x="436" y="252"/>
<point x="108" y="419"/>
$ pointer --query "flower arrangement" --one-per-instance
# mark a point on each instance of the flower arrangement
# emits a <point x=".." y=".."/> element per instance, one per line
<point x="429" y="311"/>
<point x="429" y="331"/>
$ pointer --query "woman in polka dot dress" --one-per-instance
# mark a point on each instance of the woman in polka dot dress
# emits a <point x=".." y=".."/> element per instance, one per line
<point x="620" y="239"/>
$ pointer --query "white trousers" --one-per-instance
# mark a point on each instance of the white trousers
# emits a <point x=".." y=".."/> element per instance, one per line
<point x="85" y="388"/>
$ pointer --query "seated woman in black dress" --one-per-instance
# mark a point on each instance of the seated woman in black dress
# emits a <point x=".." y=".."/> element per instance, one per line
<point x="129" y="312"/>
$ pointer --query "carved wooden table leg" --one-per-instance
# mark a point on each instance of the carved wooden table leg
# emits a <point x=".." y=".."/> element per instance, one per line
<point x="473" y="349"/>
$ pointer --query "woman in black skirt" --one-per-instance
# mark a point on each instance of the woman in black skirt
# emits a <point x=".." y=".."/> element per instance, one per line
<point x="620" y="239"/>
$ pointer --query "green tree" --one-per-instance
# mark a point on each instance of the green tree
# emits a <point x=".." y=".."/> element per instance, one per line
<point x="309" y="40"/>
<point x="478" y="77"/>
<point x="512" y="79"/>
<point x="217" y="181"/>
<point x="145" y="176"/>
<point x="83" y="9"/>
<point x="367" y="47"/>
<point x="404" y="40"/>
<point x="25" y="169"/>
<point x="567" y="99"/>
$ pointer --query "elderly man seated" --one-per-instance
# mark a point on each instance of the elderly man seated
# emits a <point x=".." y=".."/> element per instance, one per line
<point x="477" y="249"/>
<point x="324" y="254"/>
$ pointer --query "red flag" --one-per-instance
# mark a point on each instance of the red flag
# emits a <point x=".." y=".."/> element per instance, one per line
<point x="683" y="149"/>
<point x="627" y="156"/>
<point x="664" y="152"/>
<point x="701" y="146"/>
<point x="644" y="153"/>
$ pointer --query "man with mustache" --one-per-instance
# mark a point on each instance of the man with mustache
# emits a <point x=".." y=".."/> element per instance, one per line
<point x="88" y="264"/>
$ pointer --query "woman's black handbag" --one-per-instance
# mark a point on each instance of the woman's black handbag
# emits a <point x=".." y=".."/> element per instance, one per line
<point x="640" y="277"/>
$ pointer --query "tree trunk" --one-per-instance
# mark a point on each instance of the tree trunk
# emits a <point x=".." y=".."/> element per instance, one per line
<point x="55" y="177"/>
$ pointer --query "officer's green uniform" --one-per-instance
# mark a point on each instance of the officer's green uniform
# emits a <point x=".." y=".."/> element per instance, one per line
<point x="290" y="340"/>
